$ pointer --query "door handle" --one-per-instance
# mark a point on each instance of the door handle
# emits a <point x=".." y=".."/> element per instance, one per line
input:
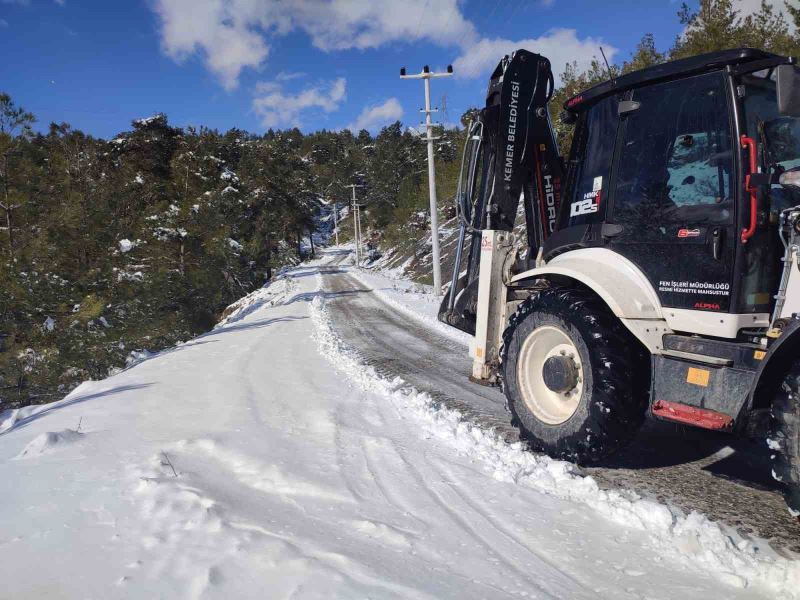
<point x="750" y="144"/>
<point x="716" y="243"/>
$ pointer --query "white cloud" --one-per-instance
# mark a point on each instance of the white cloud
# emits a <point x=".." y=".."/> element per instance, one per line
<point x="232" y="35"/>
<point x="343" y="24"/>
<point x="559" y="45"/>
<point x="749" y="7"/>
<point x="377" y="115"/>
<point x="277" y="108"/>
<point x="288" y="75"/>
<point x="213" y="28"/>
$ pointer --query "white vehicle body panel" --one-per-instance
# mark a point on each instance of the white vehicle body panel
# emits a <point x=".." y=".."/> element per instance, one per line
<point x="791" y="304"/>
<point x="613" y="277"/>
<point x="632" y="298"/>
<point x="724" y="325"/>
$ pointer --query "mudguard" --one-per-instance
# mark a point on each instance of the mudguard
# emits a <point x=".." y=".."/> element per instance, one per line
<point x="774" y="365"/>
<point x="621" y="285"/>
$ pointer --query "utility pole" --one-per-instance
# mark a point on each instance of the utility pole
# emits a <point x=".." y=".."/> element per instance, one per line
<point x="356" y="224"/>
<point x="336" y="222"/>
<point x="426" y="76"/>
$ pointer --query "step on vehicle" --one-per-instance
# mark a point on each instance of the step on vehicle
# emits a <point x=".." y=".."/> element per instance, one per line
<point x="658" y="267"/>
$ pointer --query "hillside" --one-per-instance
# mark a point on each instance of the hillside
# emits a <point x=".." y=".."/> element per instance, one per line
<point x="113" y="249"/>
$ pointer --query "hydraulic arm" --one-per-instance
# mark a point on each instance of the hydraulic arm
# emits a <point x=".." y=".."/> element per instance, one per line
<point x="510" y="154"/>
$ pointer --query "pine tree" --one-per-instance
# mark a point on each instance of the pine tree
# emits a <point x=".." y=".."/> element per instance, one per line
<point x="15" y="127"/>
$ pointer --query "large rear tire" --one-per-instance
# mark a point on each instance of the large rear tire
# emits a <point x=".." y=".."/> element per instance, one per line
<point x="784" y="437"/>
<point x="575" y="379"/>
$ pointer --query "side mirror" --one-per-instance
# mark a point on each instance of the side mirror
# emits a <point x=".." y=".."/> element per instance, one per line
<point x="788" y="88"/>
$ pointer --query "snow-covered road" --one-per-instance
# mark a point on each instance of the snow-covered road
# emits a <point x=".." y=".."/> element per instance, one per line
<point x="391" y="323"/>
<point x="262" y="460"/>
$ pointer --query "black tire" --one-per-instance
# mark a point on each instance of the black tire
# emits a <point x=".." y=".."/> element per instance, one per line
<point x="784" y="436"/>
<point x="615" y="382"/>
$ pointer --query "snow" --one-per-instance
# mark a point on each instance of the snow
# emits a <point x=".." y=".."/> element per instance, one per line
<point x="50" y="441"/>
<point x="413" y="299"/>
<point x="133" y="276"/>
<point x="148" y="120"/>
<point x="262" y="459"/>
<point x="49" y="324"/>
<point x="126" y="245"/>
<point x="228" y="175"/>
<point x="168" y="233"/>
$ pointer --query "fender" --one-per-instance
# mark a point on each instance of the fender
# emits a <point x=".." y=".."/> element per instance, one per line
<point x="773" y="366"/>
<point x="619" y="282"/>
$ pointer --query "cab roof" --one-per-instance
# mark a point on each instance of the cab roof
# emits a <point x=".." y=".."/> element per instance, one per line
<point x="675" y="69"/>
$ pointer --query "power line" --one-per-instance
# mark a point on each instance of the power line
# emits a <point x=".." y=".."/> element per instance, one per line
<point x="421" y="15"/>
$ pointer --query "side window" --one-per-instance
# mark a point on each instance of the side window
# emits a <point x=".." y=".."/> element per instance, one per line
<point x="676" y="161"/>
<point x="590" y="165"/>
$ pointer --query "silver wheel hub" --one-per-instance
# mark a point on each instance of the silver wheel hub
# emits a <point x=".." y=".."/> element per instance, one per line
<point x="550" y="375"/>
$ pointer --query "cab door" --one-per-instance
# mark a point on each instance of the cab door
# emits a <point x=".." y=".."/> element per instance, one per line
<point x="673" y="190"/>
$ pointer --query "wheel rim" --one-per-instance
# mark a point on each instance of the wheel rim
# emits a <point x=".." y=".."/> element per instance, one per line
<point x="547" y="405"/>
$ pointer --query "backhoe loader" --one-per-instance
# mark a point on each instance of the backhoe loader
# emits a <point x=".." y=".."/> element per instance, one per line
<point x="653" y="272"/>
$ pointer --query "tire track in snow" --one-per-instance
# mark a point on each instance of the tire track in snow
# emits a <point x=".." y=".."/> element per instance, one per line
<point x="565" y="586"/>
<point x="692" y="540"/>
<point x="690" y="469"/>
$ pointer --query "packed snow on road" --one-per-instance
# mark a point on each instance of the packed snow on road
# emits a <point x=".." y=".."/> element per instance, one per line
<point x="266" y="460"/>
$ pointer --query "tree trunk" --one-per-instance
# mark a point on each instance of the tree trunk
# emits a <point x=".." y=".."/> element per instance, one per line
<point x="300" y="245"/>
<point x="10" y="235"/>
<point x="311" y="239"/>
<point x="7" y="207"/>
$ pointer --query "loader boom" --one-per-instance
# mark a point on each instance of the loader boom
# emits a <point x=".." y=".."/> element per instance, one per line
<point x="512" y="154"/>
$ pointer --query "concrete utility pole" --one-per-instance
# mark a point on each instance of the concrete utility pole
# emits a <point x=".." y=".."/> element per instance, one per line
<point x="360" y="238"/>
<point x="426" y="76"/>
<point x="336" y="222"/>
<point x="356" y="224"/>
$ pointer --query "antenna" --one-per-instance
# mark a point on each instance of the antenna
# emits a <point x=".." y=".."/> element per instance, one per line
<point x="608" y="67"/>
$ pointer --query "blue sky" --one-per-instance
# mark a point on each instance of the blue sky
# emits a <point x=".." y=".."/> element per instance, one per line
<point x="253" y="64"/>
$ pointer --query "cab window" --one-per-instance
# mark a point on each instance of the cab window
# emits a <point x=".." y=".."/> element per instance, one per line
<point x="676" y="158"/>
<point x="590" y="165"/>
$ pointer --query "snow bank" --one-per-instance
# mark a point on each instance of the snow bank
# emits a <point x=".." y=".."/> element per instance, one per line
<point x="271" y="294"/>
<point x="691" y="539"/>
<point x="50" y="441"/>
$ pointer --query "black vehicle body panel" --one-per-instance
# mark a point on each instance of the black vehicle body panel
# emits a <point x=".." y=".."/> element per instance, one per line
<point x="676" y="69"/>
